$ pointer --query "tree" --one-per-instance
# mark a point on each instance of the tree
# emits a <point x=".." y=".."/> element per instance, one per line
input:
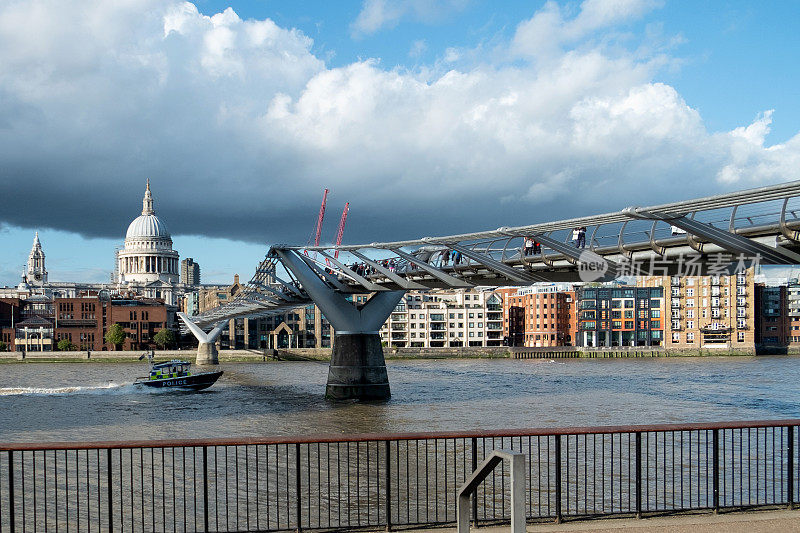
<point x="115" y="335"/>
<point x="64" y="345"/>
<point x="164" y="338"/>
<point x="3" y="346"/>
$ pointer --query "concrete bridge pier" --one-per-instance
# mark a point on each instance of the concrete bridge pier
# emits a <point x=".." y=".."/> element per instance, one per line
<point x="206" y="342"/>
<point x="357" y="369"/>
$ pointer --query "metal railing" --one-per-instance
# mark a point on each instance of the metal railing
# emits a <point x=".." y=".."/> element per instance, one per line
<point x="392" y="480"/>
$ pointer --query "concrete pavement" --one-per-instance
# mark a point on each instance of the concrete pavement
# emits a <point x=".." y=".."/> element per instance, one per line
<point x="768" y="521"/>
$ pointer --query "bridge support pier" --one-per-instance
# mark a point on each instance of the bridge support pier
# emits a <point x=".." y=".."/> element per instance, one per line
<point x="206" y="342"/>
<point x="358" y="368"/>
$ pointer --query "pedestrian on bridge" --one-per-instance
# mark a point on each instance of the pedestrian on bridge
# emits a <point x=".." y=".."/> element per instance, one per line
<point x="529" y="244"/>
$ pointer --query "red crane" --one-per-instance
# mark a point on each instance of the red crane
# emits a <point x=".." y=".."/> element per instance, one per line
<point x="320" y="218"/>
<point x="340" y="232"/>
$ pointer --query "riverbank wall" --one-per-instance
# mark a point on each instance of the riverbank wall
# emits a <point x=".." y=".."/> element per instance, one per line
<point x="126" y="356"/>
<point x="324" y="354"/>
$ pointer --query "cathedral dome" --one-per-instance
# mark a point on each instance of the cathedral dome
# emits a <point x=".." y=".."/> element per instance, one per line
<point x="147" y="226"/>
<point x="147" y="256"/>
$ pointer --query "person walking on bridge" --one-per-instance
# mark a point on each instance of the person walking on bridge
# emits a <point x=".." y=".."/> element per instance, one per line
<point x="529" y="244"/>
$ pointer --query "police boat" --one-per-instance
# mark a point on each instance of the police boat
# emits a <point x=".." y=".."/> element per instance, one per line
<point x="177" y="374"/>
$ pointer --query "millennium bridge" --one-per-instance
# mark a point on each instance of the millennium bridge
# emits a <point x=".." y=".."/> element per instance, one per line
<point x="714" y="234"/>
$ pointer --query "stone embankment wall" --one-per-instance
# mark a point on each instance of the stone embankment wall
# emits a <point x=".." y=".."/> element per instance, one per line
<point x="567" y="352"/>
<point x="127" y="355"/>
<point x="324" y="354"/>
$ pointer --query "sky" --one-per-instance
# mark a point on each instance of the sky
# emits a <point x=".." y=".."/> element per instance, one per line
<point x="429" y="116"/>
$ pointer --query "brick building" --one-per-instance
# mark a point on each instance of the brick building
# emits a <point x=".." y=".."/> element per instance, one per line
<point x="38" y="323"/>
<point x="708" y="311"/>
<point x="541" y="316"/>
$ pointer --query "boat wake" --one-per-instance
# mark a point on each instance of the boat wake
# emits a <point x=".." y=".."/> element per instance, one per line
<point x="17" y="391"/>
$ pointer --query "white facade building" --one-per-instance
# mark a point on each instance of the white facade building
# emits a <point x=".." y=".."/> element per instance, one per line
<point x="147" y="264"/>
<point x="461" y="317"/>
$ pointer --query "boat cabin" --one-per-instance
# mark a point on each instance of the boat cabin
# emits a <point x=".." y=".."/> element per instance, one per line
<point x="170" y="369"/>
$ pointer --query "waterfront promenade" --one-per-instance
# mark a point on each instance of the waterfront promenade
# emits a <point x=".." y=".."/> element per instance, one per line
<point x="767" y="521"/>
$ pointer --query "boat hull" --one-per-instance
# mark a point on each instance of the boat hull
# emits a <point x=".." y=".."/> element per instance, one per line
<point x="191" y="383"/>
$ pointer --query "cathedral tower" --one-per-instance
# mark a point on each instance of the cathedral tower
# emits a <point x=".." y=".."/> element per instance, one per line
<point x="36" y="273"/>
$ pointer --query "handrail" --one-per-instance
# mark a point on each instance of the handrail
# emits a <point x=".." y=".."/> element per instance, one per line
<point x="373" y="437"/>
<point x="517" y="460"/>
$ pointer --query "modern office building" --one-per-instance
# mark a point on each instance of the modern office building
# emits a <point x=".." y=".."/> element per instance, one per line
<point x="190" y="272"/>
<point x="621" y="315"/>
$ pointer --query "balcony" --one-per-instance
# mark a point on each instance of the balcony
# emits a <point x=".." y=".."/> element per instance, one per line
<point x="77" y="323"/>
<point x="676" y="304"/>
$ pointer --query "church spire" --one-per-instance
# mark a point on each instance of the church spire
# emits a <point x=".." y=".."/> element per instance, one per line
<point x="147" y="202"/>
<point x="36" y="272"/>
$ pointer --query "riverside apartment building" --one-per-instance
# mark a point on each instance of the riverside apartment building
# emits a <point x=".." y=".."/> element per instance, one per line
<point x="454" y="318"/>
<point x="708" y="311"/>
<point x="541" y="316"/>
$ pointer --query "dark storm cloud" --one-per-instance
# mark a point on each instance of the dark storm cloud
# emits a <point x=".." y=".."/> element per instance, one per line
<point x="240" y="127"/>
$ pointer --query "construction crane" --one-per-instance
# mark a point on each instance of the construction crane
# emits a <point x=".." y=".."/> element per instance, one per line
<point x="340" y="232"/>
<point x="320" y="218"/>
<point x="318" y="230"/>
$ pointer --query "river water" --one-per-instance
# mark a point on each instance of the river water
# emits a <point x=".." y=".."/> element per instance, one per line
<point x="96" y="401"/>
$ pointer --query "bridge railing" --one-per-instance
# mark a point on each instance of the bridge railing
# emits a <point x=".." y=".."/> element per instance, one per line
<point x="389" y="480"/>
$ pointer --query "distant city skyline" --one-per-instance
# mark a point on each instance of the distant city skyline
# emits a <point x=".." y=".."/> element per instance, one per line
<point x="428" y="117"/>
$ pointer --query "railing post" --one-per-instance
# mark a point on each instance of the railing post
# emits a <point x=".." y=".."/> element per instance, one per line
<point x="205" y="488"/>
<point x="298" y="488"/>
<point x="639" y="474"/>
<point x="474" y="468"/>
<point x="790" y="467"/>
<point x="109" y="482"/>
<point x="388" y="485"/>
<point x="715" y="444"/>
<point x="558" y="479"/>
<point x="11" y="490"/>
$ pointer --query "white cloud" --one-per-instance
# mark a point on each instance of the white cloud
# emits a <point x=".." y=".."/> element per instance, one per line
<point x="418" y="47"/>
<point x="240" y="126"/>
<point x="379" y="14"/>
<point x="544" y="34"/>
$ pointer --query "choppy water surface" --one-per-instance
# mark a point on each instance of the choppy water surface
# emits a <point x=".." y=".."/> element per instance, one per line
<point x="96" y="401"/>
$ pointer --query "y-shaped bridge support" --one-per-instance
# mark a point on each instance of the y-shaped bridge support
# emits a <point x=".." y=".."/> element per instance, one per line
<point x="357" y="369"/>
<point x="206" y="342"/>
